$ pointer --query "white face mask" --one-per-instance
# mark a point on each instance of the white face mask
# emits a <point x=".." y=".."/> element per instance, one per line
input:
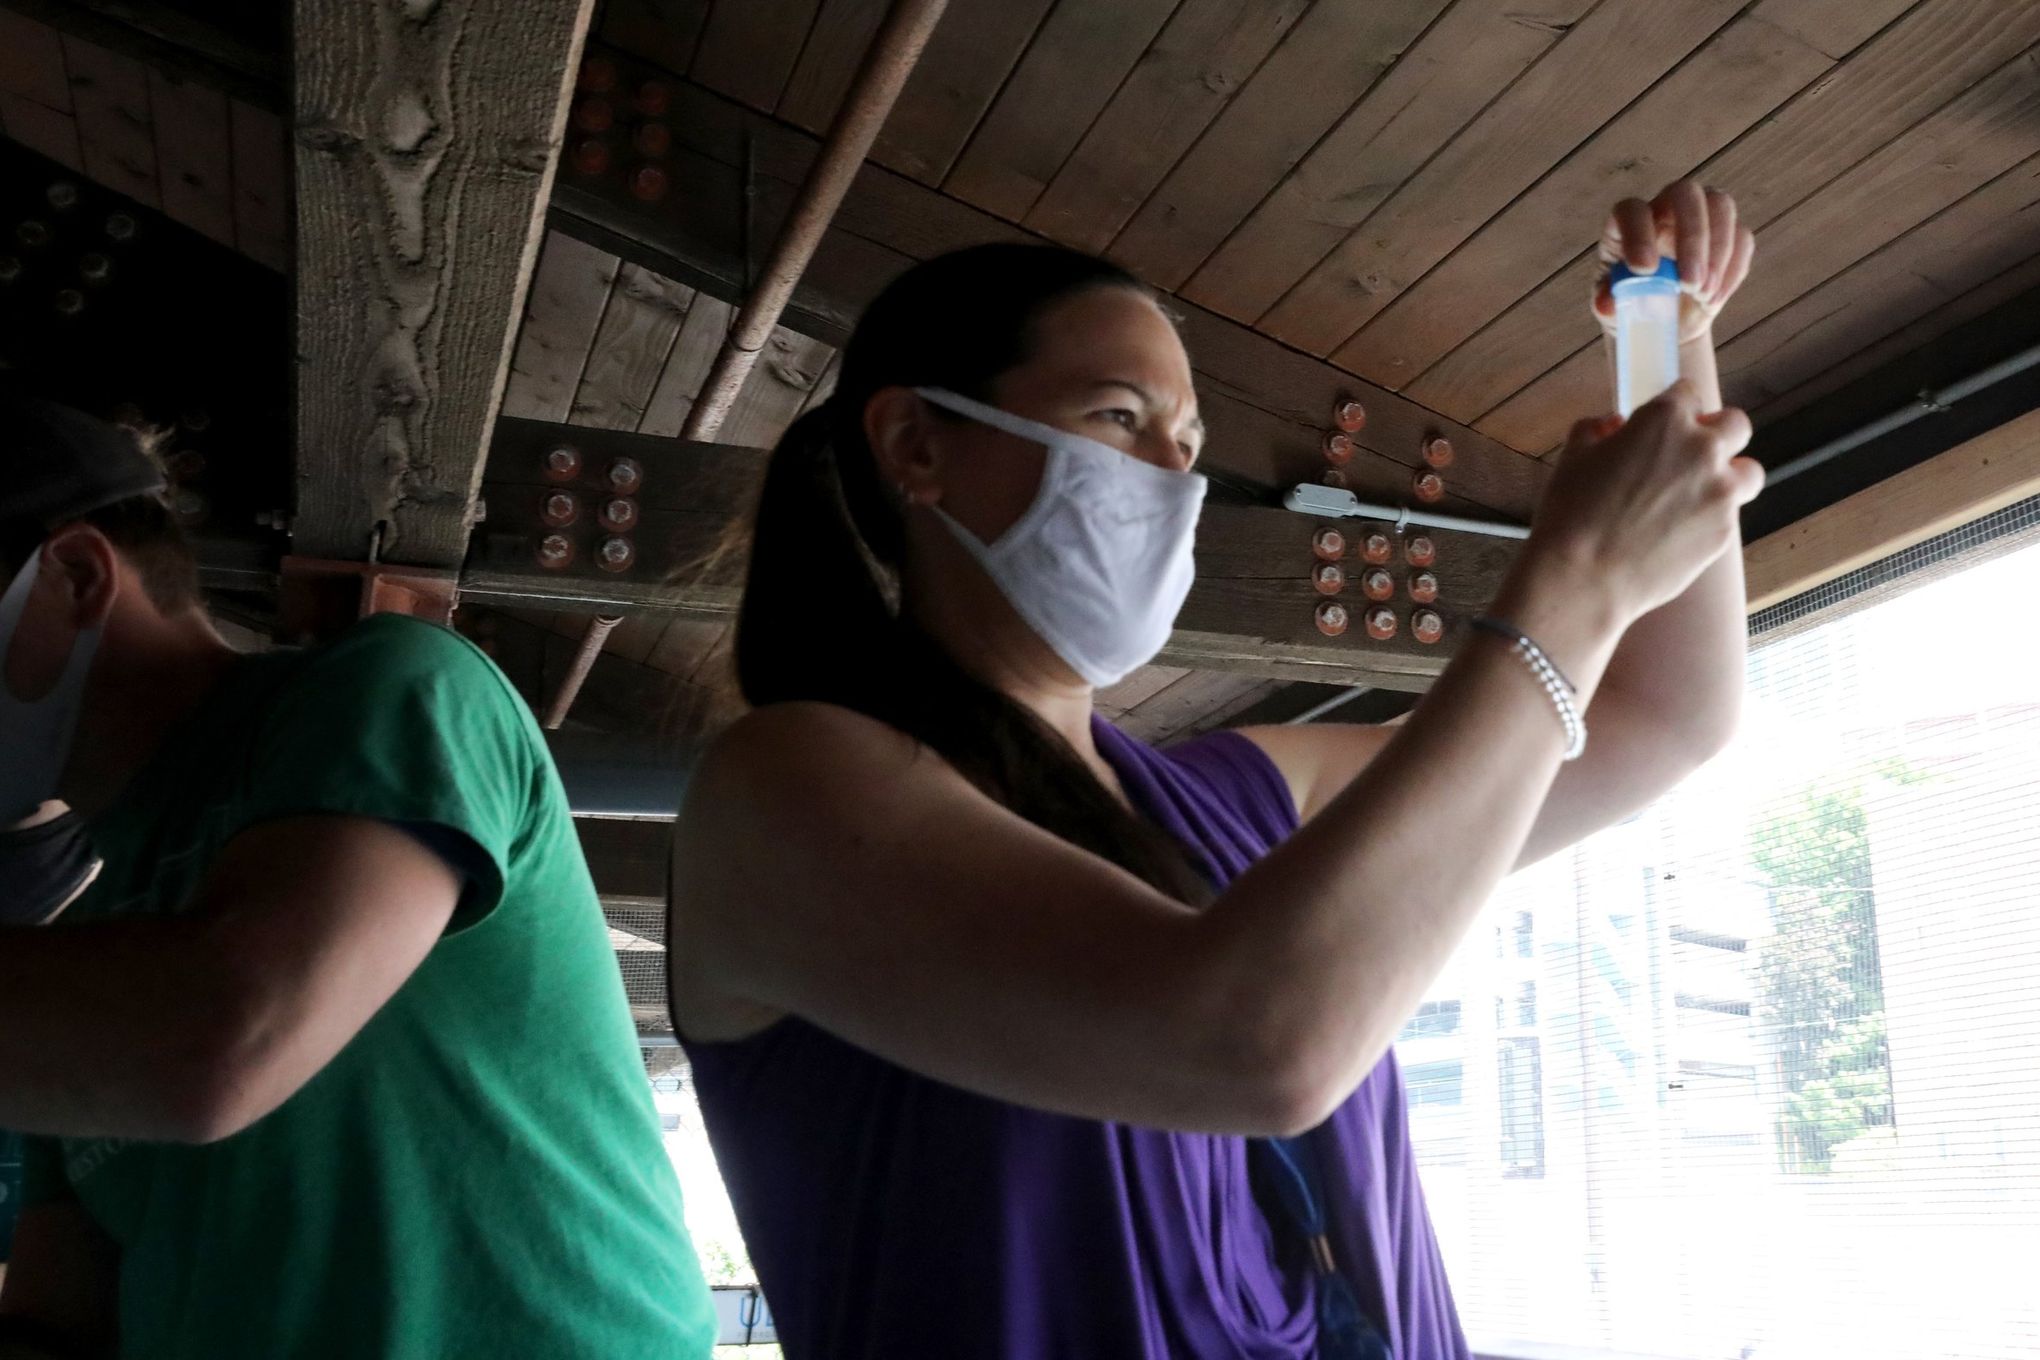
<point x="1100" y="563"/>
<point x="35" y="737"/>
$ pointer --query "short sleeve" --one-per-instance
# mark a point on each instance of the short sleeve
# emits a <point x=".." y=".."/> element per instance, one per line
<point x="407" y="723"/>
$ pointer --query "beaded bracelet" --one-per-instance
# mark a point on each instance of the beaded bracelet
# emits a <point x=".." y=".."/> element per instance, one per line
<point x="1548" y="674"/>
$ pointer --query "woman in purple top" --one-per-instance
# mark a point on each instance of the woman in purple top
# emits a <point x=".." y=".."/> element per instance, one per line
<point x="1020" y="1040"/>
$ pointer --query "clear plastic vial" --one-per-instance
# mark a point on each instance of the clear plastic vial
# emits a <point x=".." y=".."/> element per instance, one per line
<point x="1646" y="332"/>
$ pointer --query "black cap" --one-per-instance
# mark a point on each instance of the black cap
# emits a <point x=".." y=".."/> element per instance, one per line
<point x="58" y="464"/>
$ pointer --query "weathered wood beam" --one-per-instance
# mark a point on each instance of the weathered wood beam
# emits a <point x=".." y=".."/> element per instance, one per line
<point x="426" y="142"/>
<point x="1252" y="609"/>
<point x="733" y="174"/>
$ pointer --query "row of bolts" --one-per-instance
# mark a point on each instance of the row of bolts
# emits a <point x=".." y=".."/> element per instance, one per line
<point x="1376" y="549"/>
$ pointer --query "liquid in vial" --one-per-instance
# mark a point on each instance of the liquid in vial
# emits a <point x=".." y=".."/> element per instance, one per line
<point x="1646" y="332"/>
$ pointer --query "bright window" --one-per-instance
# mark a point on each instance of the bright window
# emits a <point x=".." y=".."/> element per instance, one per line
<point x="1757" y="1074"/>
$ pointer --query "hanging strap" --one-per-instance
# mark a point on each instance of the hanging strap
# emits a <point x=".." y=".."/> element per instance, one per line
<point x="1344" y="1332"/>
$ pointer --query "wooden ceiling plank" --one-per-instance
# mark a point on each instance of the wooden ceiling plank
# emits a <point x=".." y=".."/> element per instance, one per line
<point x="630" y="349"/>
<point x="40" y="128"/>
<point x="1439" y="86"/>
<point x="776" y="389"/>
<point x="110" y="94"/>
<point x="1734" y="81"/>
<point x="194" y="153"/>
<point x="35" y="99"/>
<point x="1908" y="71"/>
<point x="1960" y="249"/>
<point x="1836" y="27"/>
<point x="825" y="386"/>
<point x="1332" y="57"/>
<point x="916" y="222"/>
<point x="1606" y="60"/>
<point x="694" y="350"/>
<point x="687" y="645"/>
<point x="1078" y="58"/>
<point x="828" y="62"/>
<point x="967" y="61"/>
<point x="262" y="183"/>
<point x="1138" y="688"/>
<point x="405" y="314"/>
<point x="1184" y="702"/>
<point x="748" y="48"/>
<point x="637" y="637"/>
<point x="664" y="32"/>
<point x="1206" y="53"/>
<point x="569" y="291"/>
<point x="1990" y="127"/>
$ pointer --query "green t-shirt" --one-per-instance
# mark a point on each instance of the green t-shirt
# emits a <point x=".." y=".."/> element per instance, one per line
<point x="480" y="1172"/>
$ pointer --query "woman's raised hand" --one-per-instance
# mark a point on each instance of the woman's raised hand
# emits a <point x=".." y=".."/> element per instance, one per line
<point x="1696" y="226"/>
<point x="1638" y="509"/>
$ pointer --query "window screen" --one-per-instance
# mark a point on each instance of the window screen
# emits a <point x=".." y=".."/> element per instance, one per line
<point x="1757" y="1073"/>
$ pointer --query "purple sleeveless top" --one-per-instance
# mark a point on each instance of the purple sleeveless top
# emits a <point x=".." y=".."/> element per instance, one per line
<point x="891" y="1215"/>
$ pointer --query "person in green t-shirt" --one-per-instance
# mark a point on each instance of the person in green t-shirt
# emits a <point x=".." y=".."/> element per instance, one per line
<point x="333" y="1058"/>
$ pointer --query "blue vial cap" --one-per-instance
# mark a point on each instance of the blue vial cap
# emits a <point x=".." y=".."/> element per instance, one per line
<point x="1667" y="268"/>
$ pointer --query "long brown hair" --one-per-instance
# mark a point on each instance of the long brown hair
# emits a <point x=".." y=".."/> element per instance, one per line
<point x="826" y="523"/>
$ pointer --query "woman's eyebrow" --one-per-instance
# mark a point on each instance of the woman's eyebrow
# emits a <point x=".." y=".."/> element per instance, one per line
<point x="1196" y="422"/>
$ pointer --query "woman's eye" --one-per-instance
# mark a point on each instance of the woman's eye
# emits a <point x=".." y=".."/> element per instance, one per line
<point x="1122" y="417"/>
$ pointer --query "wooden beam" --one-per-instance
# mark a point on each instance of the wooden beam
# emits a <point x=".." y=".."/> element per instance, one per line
<point x="1986" y="473"/>
<point x="426" y="143"/>
<point x="734" y="171"/>
<point x="1252" y="610"/>
<point x="171" y="40"/>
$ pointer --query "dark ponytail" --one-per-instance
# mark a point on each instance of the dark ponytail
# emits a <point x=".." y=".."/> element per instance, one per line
<point x="821" y="618"/>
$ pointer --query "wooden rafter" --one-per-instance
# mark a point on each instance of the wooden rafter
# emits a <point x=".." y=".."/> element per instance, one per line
<point x="426" y="143"/>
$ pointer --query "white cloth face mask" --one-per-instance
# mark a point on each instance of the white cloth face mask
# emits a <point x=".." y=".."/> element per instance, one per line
<point x="1100" y="562"/>
<point x="35" y="735"/>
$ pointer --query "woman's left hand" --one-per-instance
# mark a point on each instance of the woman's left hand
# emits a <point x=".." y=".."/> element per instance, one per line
<point x="1693" y="225"/>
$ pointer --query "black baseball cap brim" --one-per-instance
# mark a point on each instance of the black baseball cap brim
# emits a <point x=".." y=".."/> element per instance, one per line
<point x="58" y="464"/>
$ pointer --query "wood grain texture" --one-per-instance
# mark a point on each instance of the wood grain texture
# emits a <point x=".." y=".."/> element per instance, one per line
<point x="663" y="32"/>
<point x="694" y="350"/>
<point x="1203" y="56"/>
<point x="426" y="141"/>
<point x="110" y="95"/>
<point x="1958" y="250"/>
<point x="1324" y="65"/>
<point x="194" y="155"/>
<point x="1747" y="70"/>
<point x="748" y="48"/>
<point x="1949" y="490"/>
<point x="568" y="292"/>
<point x="1136" y="689"/>
<point x="1606" y="60"/>
<point x="1911" y="69"/>
<point x="35" y="97"/>
<point x="1990" y="127"/>
<point x="630" y="349"/>
<point x="1473" y="52"/>
<point x="829" y="60"/>
<point x="262" y="184"/>
<point x="777" y="388"/>
<point x="1078" y="58"/>
<point x="967" y="60"/>
<point x="1187" y="705"/>
<point x="42" y="129"/>
<point x="1836" y="27"/>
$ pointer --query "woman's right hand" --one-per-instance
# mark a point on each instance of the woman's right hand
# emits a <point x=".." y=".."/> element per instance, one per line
<point x="1638" y="509"/>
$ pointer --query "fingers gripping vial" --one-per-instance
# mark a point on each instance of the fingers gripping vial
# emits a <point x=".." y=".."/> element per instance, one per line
<point x="1646" y="332"/>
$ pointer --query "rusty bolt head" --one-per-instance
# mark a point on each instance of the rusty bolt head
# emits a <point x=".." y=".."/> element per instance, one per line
<point x="649" y="183"/>
<point x="594" y="114"/>
<point x="1328" y="544"/>
<point x="1328" y="578"/>
<point x="591" y="157"/>
<point x="1377" y="548"/>
<point x="188" y="506"/>
<point x="10" y="269"/>
<point x="62" y="194"/>
<point x="94" y="267"/>
<point x="33" y="233"/>
<point x="1427" y="626"/>
<point x="652" y="139"/>
<point x="1339" y="448"/>
<point x="185" y="465"/>
<point x="562" y="463"/>
<point x="598" y="75"/>
<point x="69" y="302"/>
<point x="1421" y="551"/>
<point x="626" y="475"/>
<point x="1423" y="587"/>
<point x="615" y="554"/>
<point x="120" y="226"/>
<point x="559" y="509"/>
<point x="555" y="551"/>
<point x="1438" y="453"/>
<point x="1332" y="618"/>
<point x="1381" y="623"/>
<point x="1377" y="584"/>
<point x="1350" y="416"/>
<point x="1427" y="487"/>
<point x="619" y="515"/>
<point x="652" y="99"/>
<point x="1333" y="477"/>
